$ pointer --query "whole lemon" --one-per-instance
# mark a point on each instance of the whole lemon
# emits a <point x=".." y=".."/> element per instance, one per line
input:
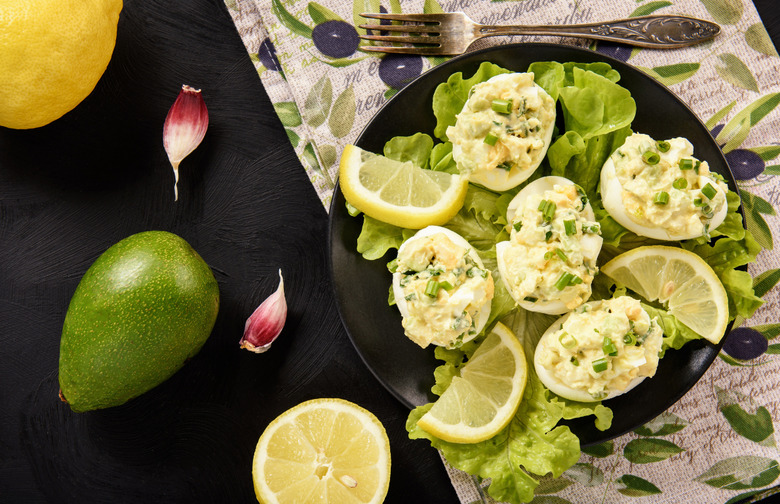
<point x="52" y="54"/>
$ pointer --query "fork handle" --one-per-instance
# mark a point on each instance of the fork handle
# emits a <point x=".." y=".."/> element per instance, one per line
<point x="658" y="32"/>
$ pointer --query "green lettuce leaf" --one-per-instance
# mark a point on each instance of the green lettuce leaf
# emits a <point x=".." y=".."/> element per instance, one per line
<point x="532" y="445"/>
<point x="595" y="105"/>
<point x="377" y="237"/>
<point x="415" y="148"/>
<point x="449" y="97"/>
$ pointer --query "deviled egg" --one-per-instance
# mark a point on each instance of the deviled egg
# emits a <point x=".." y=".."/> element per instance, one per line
<point x="503" y="131"/>
<point x="549" y="261"/>
<point x="598" y="351"/>
<point x="442" y="288"/>
<point x="659" y="190"/>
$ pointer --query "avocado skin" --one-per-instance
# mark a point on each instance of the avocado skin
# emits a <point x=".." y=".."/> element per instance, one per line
<point x="146" y="306"/>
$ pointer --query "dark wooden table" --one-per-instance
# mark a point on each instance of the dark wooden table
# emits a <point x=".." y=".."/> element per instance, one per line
<point x="73" y="188"/>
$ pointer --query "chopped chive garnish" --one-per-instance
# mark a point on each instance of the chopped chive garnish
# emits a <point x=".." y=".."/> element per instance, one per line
<point x="630" y="338"/>
<point x="567" y="340"/>
<point x="576" y="280"/>
<point x="446" y="285"/>
<point x="530" y="299"/>
<point x="432" y="288"/>
<point x="709" y="191"/>
<point x="663" y="145"/>
<point x="502" y="106"/>
<point x="491" y="139"/>
<point x="575" y="361"/>
<point x="547" y="235"/>
<point x="518" y="226"/>
<point x="561" y="255"/>
<point x="696" y="166"/>
<point x="600" y="365"/>
<point x="570" y="226"/>
<point x="686" y="164"/>
<point x="505" y="166"/>
<point x="564" y="281"/>
<point x="609" y="347"/>
<point x="594" y="228"/>
<point x="392" y="266"/>
<point x="548" y="255"/>
<point x="411" y="297"/>
<point x="698" y="202"/>
<point x="547" y="208"/>
<point x="680" y="183"/>
<point x="651" y="157"/>
<point x="661" y="198"/>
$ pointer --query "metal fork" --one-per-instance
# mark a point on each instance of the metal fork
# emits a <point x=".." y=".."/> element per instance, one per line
<point x="452" y="33"/>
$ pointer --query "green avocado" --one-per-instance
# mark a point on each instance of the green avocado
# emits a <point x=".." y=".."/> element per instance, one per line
<point x="144" y="308"/>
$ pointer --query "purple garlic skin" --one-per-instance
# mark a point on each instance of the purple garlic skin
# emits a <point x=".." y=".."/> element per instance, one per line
<point x="267" y="321"/>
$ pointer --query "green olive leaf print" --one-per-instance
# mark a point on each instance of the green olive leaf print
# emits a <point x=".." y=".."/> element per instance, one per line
<point x="736" y="72"/>
<point x="288" y="20"/>
<point x="724" y="11"/>
<point x="328" y="155"/>
<point x="550" y="485"/>
<point x="748" y="117"/>
<point x="742" y="498"/>
<point x="754" y="207"/>
<point x="741" y="473"/>
<point x="358" y="8"/>
<point x="672" y="74"/>
<point x="664" y="424"/>
<point x="634" y="486"/>
<point x="649" y="8"/>
<point x="317" y="104"/>
<point x="765" y="282"/>
<point x="601" y="450"/>
<point x="747" y="418"/>
<point x="319" y="13"/>
<point x="585" y="474"/>
<point x="311" y="159"/>
<point x="720" y="114"/>
<point x="432" y="7"/>
<point x="288" y="114"/>
<point x="757" y="37"/>
<point x="342" y="117"/>
<point x="647" y="451"/>
<point x="549" y="499"/>
<point x="766" y="152"/>
<point x="293" y="137"/>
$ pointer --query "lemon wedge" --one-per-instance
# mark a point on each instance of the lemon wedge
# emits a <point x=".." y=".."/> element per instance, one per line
<point x="324" y="451"/>
<point x="680" y="279"/>
<point x="483" y="399"/>
<point x="399" y="193"/>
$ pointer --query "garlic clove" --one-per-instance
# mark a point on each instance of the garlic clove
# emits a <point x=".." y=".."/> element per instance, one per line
<point x="267" y="321"/>
<point x="184" y="128"/>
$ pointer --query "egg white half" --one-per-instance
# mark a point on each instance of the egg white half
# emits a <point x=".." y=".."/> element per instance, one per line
<point x="503" y="180"/>
<point x="612" y="198"/>
<point x="398" y="291"/>
<point x="591" y="243"/>
<point x="557" y="386"/>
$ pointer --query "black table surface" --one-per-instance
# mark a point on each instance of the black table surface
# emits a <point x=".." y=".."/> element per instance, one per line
<point x="73" y="188"/>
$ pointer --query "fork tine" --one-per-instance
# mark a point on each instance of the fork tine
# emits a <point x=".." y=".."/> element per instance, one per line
<point x="401" y="28"/>
<point x="402" y="40"/>
<point x="417" y="18"/>
<point x="425" y="51"/>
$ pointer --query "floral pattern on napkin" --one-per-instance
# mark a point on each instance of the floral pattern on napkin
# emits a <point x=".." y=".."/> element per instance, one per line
<point x="718" y="443"/>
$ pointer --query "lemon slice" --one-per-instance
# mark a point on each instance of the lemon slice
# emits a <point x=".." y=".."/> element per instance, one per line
<point x="680" y="279"/>
<point x="324" y="451"/>
<point x="399" y="193"/>
<point x="483" y="399"/>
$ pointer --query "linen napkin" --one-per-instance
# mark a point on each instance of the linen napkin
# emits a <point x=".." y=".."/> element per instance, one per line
<point x="716" y="444"/>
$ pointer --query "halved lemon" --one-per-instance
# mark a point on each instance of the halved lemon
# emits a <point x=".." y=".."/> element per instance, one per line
<point x="483" y="399"/>
<point x="680" y="279"/>
<point x="399" y="193"/>
<point x="324" y="451"/>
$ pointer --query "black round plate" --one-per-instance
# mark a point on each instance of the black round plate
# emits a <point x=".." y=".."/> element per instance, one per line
<point x="361" y="286"/>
